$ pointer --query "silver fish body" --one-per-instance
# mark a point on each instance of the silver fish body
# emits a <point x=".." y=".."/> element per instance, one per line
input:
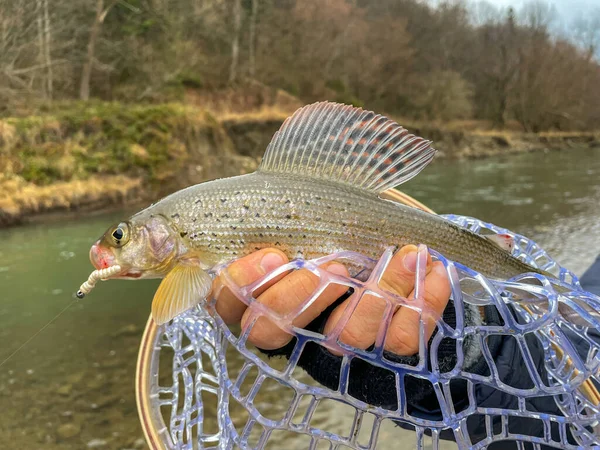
<point x="225" y="219"/>
<point x="316" y="192"/>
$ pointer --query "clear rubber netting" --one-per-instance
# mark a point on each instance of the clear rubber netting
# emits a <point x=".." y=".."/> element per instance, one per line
<point x="217" y="391"/>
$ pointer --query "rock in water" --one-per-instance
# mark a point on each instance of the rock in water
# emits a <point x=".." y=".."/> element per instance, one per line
<point x="96" y="443"/>
<point x="65" y="389"/>
<point x="68" y="430"/>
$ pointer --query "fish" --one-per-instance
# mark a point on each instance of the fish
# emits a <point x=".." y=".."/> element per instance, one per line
<point x="317" y="191"/>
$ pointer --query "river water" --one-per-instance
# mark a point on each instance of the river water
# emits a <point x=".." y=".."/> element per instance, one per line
<point x="72" y="385"/>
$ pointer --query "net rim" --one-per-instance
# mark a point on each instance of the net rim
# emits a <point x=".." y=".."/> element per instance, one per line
<point x="154" y="429"/>
<point x="150" y="419"/>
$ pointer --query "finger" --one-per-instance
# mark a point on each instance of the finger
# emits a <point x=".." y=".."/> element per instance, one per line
<point x="288" y="295"/>
<point x="362" y="327"/>
<point x="404" y="331"/>
<point x="399" y="276"/>
<point x="245" y="271"/>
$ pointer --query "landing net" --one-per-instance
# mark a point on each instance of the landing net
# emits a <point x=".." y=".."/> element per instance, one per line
<point x="208" y="388"/>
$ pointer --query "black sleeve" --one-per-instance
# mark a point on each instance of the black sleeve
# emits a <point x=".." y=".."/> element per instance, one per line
<point x="376" y="385"/>
<point x="590" y="280"/>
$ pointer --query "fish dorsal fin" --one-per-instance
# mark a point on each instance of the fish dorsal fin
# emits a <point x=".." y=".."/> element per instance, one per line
<point x="347" y="145"/>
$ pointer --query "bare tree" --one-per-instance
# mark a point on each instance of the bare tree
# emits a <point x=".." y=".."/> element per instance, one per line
<point x="47" y="57"/>
<point x="497" y="60"/>
<point x="412" y="58"/>
<point x="41" y="41"/>
<point x="101" y="12"/>
<point x="252" y="39"/>
<point x="483" y="13"/>
<point x="235" y="41"/>
<point x="586" y="31"/>
<point x="538" y="15"/>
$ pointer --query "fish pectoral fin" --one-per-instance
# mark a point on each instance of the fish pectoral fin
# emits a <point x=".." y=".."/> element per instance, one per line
<point x="183" y="288"/>
<point x="505" y="241"/>
<point x="347" y="145"/>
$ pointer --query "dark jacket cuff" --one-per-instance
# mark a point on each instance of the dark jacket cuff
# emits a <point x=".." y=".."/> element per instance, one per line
<point x="376" y="385"/>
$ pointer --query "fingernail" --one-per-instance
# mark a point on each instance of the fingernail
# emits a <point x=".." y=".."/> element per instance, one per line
<point x="271" y="261"/>
<point x="410" y="261"/>
<point x="337" y="269"/>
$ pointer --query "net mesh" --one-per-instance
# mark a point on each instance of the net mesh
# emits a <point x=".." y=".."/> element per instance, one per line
<point x="216" y="391"/>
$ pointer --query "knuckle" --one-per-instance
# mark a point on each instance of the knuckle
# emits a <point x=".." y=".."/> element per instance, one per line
<point x="269" y="339"/>
<point x="266" y="334"/>
<point x="437" y="290"/>
<point x="351" y="335"/>
<point x="435" y="299"/>
<point x="303" y="285"/>
<point x="289" y="292"/>
<point x="398" y="281"/>
<point x="401" y="342"/>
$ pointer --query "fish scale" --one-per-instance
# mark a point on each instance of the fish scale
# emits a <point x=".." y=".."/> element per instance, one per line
<point x="225" y="219"/>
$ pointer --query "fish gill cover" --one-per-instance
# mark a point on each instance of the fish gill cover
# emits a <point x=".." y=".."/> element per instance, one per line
<point x="198" y="399"/>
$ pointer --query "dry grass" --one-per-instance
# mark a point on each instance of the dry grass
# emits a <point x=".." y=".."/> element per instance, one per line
<point x="545" y="134"/>
<point x="486" y="128"/>
<point x="263" y="114"/>
<point x="250" y="97"/>
<point x="569" y="134"/>
<point x="8" y="135"/>
<point x="18" y="198"/>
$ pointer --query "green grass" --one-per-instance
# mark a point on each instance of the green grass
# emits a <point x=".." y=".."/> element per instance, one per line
<point x="78" y="140"/>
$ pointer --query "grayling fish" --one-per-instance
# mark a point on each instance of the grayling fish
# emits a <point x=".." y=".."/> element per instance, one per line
<point x="316" y="192"/>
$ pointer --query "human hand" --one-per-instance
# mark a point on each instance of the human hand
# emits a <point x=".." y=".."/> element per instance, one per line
<point x="286" y="292"/>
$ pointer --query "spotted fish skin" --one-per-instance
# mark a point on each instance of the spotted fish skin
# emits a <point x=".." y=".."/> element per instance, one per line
<point x="317" y="192"/>
<point x="225" y="219"/>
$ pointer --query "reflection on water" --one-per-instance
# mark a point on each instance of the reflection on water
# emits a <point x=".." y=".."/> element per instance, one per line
<point x="73" y="384"/>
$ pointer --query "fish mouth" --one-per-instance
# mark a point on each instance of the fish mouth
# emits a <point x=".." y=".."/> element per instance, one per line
<point x="103" y="258"/>
<point x="100" y="257"/>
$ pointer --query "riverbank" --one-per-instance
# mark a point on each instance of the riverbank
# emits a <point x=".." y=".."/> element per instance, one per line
<point x="83" y="157"/>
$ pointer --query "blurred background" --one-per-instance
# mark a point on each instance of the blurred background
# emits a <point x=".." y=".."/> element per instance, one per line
<point x="105" y="106"/>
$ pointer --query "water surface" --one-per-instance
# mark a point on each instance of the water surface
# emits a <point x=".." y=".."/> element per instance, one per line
<point x="73" y="384"/>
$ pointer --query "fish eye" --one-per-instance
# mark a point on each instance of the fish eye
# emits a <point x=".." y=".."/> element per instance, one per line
<point x="120" y="235"/>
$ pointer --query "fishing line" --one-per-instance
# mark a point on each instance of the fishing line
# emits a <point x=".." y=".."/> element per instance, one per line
<point x="35" y="335"/>
<point x="85" y="288"/>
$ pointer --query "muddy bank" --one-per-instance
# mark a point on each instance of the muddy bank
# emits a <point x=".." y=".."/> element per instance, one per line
<point x="458" y="145"/>
<point x="85" y="157"/>
<point x="251" y="137"/>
